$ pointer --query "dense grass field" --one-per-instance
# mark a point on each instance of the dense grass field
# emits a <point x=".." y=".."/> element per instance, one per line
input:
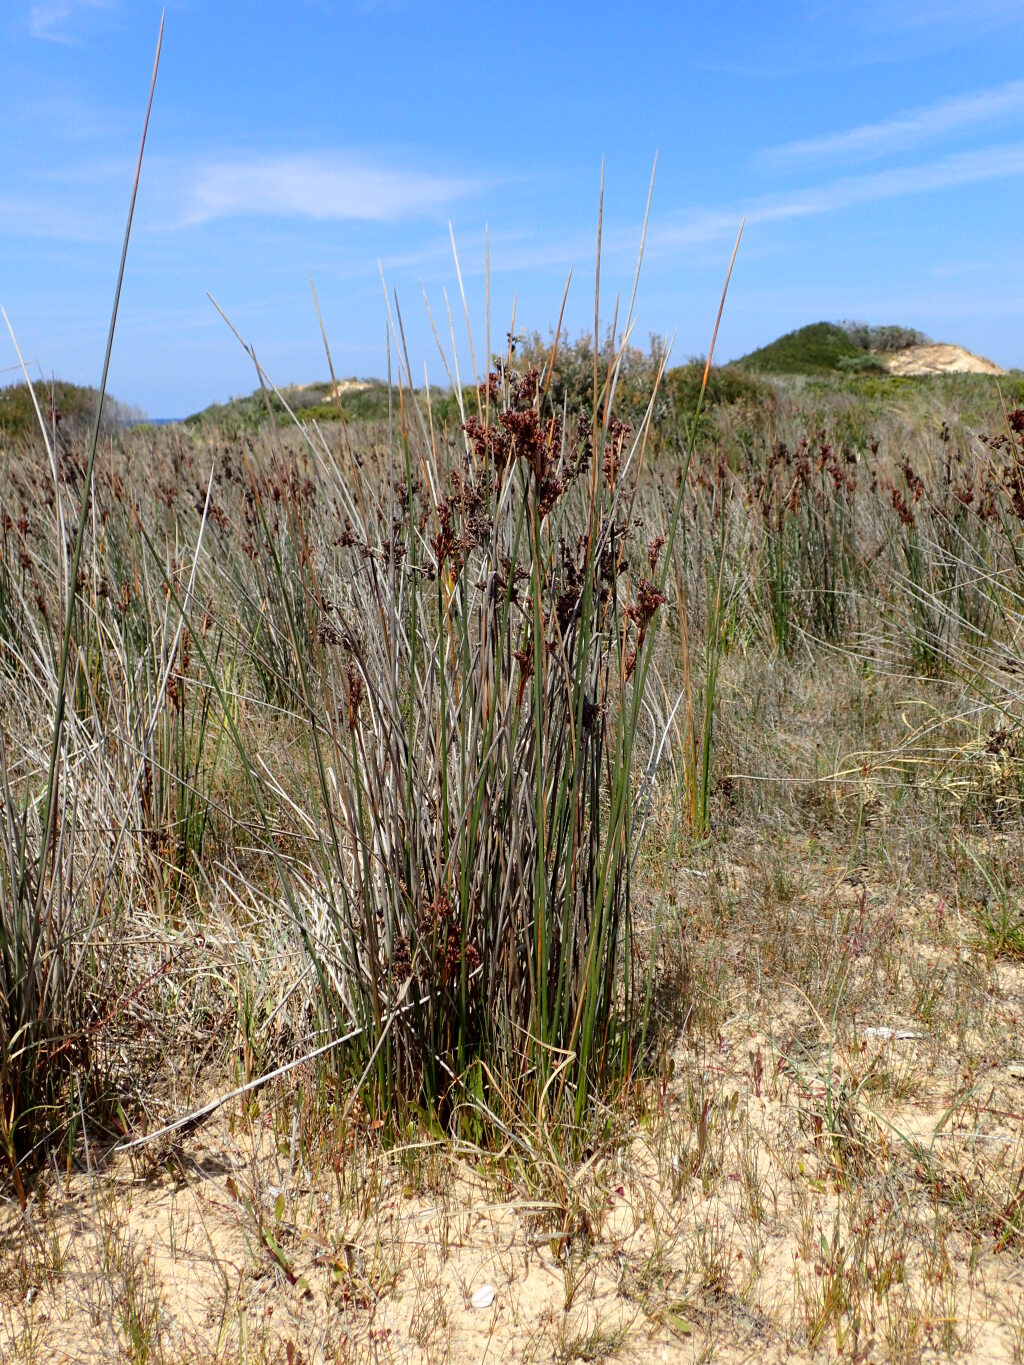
<point x="531" y="873"/>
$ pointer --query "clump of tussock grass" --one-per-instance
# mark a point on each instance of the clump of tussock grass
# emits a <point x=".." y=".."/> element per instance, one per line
<point x="470" y="623"/>
<point x="472" y="651"/>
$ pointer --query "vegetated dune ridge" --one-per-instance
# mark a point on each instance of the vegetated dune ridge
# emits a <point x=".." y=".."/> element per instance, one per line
<point x="939" y="358"/>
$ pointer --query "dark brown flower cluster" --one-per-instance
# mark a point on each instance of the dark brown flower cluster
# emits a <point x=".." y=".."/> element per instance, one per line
<point x="641" y="612"/>
<point x="440" y="933"/>
<point x="915" y="483"/>
<point x="819" y="472"/>
<point x="899" y="502"/>
<point x="179" y="673"/>
<point x="523" y="386"/>
<point x="401" y="961"/>
<point x="1013" y="482"/>
<point x="520" y="433"/>
<point x="524" y="658"/>
<point x="613" y="561"/>
<point x="616" y="441"/>
<point x="905" y="500"/>
<point x="463" y="518"/>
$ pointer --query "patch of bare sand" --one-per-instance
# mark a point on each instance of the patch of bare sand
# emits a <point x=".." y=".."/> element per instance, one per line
<point x="736" y="1235"/>
<point x="798" y="1189"/>
<point x="344" y="386"/>
<point x="939" y="358"/>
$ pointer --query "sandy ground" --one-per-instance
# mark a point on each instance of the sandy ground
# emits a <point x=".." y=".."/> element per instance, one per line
<point x="940" y="358"/>
<point x="794" y="1187"/>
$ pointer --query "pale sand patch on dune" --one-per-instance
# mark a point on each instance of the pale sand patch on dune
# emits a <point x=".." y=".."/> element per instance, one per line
<point x="939" y="358"/>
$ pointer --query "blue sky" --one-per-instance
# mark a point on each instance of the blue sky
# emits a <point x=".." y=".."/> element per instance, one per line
<point x="877" y="149"/>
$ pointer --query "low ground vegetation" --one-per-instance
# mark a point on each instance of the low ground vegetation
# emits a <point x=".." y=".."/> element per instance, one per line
<point x="632" y="781"/>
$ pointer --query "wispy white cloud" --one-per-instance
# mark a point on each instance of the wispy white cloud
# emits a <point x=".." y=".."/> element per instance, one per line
<point x="952" y="172"/>
<point x="54" y="20"/>
<point x="82" y="200"/>
<point x="834" y="36"/>
<point x="868" y="141"/>
<point x="889" y="15"/>
<point x="69" y="116"/>
<point x="321" y="186"/>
